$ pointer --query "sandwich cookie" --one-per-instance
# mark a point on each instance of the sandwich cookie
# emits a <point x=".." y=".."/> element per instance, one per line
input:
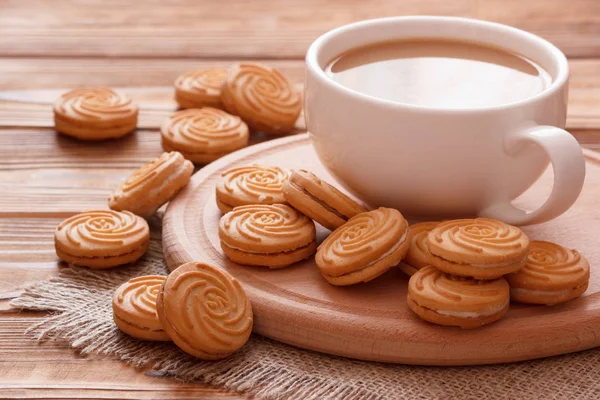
<point x="273" y="236"/>
<point x="551" y="275"/>
<point x="418" y="252"/>
<point x="95" y="114"/>
<point x="445" y="299"/>
<point x="205" y="311"/>
<point x="102" y="239"/>
<point x="134" y="308"/>
<point x="365" y="247"/>
<point x="203" y="135"/>
<point x="200" y="88"/>
<point x="152" y="185"/>
<point x="319" y="200"/>
<point x="253" y="184"/>
<point x="481" y="248"/>
<point x="262" y="96"/>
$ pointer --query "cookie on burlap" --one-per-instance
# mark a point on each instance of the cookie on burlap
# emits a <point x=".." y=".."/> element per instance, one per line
<point x="200" y="88"/>
<point x="552" y="274"/>
<point x="95" y="114"/>
<point x="319" y="200"/>
<point x="203" y="135"/>
<point x="152" y="185"/>
<point x="102" y="238"/>
<point x="418" y="253"/>
<point x="252" y="184"/>
<point x="446" y="299"/>
<point x="482" y="248"/>
<point x="205" y="311"/>
<point x="264" y="98"/>
<point x="365" y="247"/>
<point x="134" y="308"/>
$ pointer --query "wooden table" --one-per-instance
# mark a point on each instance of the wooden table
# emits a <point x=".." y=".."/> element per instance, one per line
<point x="45" y="177"/>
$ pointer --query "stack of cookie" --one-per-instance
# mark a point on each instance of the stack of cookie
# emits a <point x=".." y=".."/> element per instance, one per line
<point x="465" y="272"/>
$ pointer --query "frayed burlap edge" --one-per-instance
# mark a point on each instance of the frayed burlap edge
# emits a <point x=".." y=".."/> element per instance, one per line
<point x="80" y="302"/>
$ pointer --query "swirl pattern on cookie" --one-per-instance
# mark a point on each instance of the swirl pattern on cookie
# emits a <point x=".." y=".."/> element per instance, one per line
<point x="203" y="82"/>
<point x="96" y="232"/>
<point x="149" y="171"/>
<point x="266" y="228"/>
<point x="551" y="266"/>
<point x="205" y="130"/>
<point x="253" y="184"/>
<point x="365" y="237"/>
<point x="418" y="253"/>
<point x="95" y="104"/>
<point x="208" y="310"/>
<point x="135" y="302"/>
<point x="453" y="289"/>
<point x="471" y="238"/>
<point x="262" y="96"/>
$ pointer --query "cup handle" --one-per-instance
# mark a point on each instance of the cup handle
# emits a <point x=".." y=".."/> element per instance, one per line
<point x="568" y="164"/>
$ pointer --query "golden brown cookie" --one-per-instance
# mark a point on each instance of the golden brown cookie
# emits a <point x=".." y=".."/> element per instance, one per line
<point x="200" y="88"/>
<point x="273" y="236"/>
<point x="102" y="238"/>
<point x="365" y="247"/>
<point x="134" y="308"/>
<point x="319" y="200"/>
<point x="551" y="275"/>
<point x="252" y="184"/>
<point x="152" y="185"/>
<point x="203" y="135"/>
<point x="418" y="253"/>
<point x="205" y="311"/>
<point x="264" y="98"/>
<point x="445" y="299"/>
<point x="482" y="248"/>
<point x="95" y="114"/>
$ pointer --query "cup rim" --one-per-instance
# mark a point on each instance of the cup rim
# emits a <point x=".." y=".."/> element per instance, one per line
<point x="313" y="66"/>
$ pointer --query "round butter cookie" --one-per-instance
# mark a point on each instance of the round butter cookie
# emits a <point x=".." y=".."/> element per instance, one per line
<point x="95" y="114"/>
<point x="365" y="247"/>
<point x="200" y="88"/>
<point x="418" y="253"/>
<point x="262" y="96"/>
<point x="273" y="236"/>
<point x="551" y="275"/>
<point x="319" y="200"/>
<point x="203" y="135"/>
<point x="252" y="184"/>
<point x="102" y="238"/>
<point x="134" y="308"/>
<point x="445" y="299"/>
<point x="152" y="185"/>
<point x="481" y="248"/>
<point x="205" y="311"/>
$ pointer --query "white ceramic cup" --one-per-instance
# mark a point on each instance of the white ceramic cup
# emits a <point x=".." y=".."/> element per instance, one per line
<point x="442" y="163"/>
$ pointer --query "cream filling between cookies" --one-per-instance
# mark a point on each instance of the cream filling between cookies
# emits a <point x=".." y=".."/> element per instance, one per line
<point x="263" y="252"/>
<point x="505" y="264"/>
<point x="320" y="202"/>
<point x="469" y="314"/>
<point x="540" y="292"/>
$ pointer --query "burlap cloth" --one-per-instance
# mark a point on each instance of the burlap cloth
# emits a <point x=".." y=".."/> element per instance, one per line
<point x="81" y="301"/>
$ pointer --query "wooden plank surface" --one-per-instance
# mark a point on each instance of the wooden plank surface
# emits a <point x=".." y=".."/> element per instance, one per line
<point x="47" y="46"/>
<point x="259" y="28"/>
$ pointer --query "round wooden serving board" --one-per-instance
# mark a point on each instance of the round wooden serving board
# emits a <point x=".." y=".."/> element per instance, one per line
<point x="371" y="321"/>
